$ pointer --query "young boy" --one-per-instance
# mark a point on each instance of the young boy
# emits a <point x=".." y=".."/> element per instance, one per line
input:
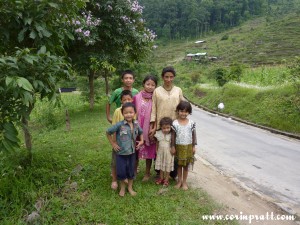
<point x="127" y="80"/>
<point x="126" y="133"/>
<point x="125" y="96"/>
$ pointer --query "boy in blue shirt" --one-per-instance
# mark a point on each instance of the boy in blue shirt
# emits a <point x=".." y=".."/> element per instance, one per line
<point x="126" y="132"/>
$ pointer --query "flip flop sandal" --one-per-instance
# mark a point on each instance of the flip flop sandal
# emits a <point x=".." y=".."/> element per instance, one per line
<point x="159" y="181"/>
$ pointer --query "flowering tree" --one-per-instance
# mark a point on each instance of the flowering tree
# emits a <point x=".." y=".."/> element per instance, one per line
<point x="33" y="35"/>
<point x="110" y="32"/>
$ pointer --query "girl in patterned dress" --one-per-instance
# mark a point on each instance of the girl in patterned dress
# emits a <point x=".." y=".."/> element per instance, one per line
<point x="164" y="159"/>
<point x="183" y="142"/>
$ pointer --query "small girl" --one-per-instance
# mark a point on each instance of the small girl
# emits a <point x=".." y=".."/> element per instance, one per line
<point x="183" y="142"/>
<point x="126" y="132"/>
<point x="164" y="159"/>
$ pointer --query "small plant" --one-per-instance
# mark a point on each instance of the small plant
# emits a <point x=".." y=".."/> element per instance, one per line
<point x="195" y="77"/>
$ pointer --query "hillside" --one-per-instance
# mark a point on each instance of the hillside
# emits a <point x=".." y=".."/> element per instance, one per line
<point x="255" y="42"/>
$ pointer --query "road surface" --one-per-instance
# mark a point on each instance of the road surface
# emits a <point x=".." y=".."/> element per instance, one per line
<point x="262" y="161"/>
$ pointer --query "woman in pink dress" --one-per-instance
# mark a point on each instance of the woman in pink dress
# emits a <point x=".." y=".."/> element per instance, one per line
<point x="143" y="103"/>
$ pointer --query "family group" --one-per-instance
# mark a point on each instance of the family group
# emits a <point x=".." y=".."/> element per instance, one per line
<point x="152" y="124"/>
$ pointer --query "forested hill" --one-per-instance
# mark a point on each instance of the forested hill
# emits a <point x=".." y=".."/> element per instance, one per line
<point x="176" y="19"/>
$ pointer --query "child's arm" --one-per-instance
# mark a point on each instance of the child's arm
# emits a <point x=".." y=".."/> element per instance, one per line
<point x="108" y="113"/>
<point x="112" y="141"/>
<point x="173" y="141"/>
<point x="153" y="116"/>
<point x="194" y="139"/>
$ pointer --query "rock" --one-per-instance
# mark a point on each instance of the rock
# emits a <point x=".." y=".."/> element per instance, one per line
<point x="33" y="217"/>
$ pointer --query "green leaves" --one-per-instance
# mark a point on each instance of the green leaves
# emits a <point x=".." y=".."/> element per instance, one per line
<point x="8" y="136"/>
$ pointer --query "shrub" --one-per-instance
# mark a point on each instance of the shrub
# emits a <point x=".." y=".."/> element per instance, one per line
<point x="225" y="37"/>
<point x="220" y="75"/>
<point x="236" y="71"/>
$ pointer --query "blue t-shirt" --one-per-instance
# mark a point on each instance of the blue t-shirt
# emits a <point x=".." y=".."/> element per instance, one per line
<point x="125" y="138"/>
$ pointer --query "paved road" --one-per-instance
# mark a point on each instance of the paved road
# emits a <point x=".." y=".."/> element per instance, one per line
<point x="263" y="161"/>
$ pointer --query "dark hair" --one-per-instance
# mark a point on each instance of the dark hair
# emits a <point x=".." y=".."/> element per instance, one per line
<point x="165" y="121"/>
<point x="184" y="105"/>
<point x="150" y="77"/>
<point x="127" y="105"/>
<point x="125" y="92"/>
<point x="168" y="69"/>
<point x="127" y="72"/>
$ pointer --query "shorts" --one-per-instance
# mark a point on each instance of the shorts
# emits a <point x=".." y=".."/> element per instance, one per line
<point x="125" y="166"/>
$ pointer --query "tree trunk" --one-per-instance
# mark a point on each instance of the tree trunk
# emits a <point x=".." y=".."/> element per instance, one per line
<point x="27" y="135"/>
<point x="92" y="92"/>
<point x="106" y="83"/>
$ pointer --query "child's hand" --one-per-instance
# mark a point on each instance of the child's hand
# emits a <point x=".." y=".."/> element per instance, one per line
<point x="139" y="144"/>
<point x="116" y="147"/>
<point x="194" y="150"/>
<point x="173" y="150"/>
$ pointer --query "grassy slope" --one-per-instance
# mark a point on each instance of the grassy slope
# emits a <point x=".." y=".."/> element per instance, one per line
<point x="82" y="155"/>
<point x="253" y="43"/>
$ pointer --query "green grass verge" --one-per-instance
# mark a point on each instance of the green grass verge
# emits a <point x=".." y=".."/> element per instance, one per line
<point x="69" y="178"/>
<point x="272" y="107"/>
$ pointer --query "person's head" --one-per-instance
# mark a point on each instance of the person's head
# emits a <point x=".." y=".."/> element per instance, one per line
<point x="128" y="111"/>
<point x="126" y="96"/>
<point x="168" y="74"/>
<point x="184" y="109"/>
<point x="149" y="83"/>
<point x="165" y="124"/>
<point x="127" y="78"/>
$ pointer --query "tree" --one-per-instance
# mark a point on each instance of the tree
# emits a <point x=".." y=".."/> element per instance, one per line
<point x="32" y="59"/>
<point x="111" y="32"/>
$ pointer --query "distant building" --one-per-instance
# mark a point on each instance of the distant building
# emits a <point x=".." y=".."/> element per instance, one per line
<point x="197" y="56"/>
<point x="199" y="42"/>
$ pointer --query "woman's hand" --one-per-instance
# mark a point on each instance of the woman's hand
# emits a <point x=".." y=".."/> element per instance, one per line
<point x="151" y="133"/>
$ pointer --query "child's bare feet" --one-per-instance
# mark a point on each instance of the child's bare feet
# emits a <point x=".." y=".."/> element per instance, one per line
<point x="122" y="192"/>
<point x="146" y="178"/>
<point x="132" y="192"/>
<point x="114" y="185"/>
<point x="178" y="185"/>
<point x="185" y="187"/>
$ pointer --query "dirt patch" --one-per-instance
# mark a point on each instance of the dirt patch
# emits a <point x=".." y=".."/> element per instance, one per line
<point x="199" y="93"/>
<point x="235" y="199"/>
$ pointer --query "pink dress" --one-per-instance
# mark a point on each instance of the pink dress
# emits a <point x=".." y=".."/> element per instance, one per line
<point x="144" y="107"/>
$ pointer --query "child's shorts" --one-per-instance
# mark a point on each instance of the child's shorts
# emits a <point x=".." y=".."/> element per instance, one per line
<point x="125" y="166"/>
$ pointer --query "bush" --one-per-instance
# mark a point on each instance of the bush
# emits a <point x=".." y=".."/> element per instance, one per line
<point x="225" y="37"/>
<point x="220" y="75"/>
<point x="236" y="71"/>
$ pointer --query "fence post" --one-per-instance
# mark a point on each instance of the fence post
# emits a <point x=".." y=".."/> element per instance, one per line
<point x="68" y="127"/>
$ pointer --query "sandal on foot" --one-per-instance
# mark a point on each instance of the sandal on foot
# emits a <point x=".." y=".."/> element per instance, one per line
<point x="166" y="183"/>
<point x="159" y="181"/>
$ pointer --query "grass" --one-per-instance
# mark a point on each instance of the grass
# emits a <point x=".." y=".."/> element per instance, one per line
<point x="68" y="180"/>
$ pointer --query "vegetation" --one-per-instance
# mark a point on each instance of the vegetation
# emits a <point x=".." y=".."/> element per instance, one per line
<point x="68" y="180"/>
<point x="36" y="38"/>
<point x="178" y="19"/>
